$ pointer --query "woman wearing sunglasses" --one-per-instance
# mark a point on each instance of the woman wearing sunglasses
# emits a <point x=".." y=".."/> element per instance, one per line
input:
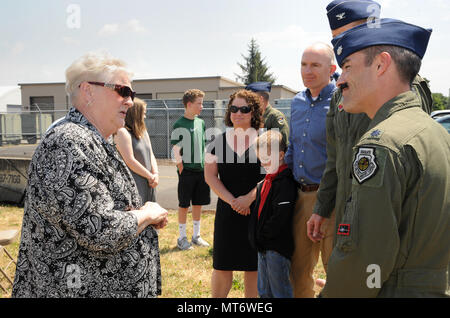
<point x="232" y="171"/>
<point x="85" y="231"/>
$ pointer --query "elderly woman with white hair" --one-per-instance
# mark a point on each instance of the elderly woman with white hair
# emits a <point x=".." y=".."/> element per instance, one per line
<point x="85" y="231"/>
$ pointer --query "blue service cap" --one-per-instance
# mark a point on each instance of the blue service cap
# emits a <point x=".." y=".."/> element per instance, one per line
<point x="259" y="87"/>
<point x="382" y="32"/>
<point x="342" y="12"/>
<point x="335" y="76"/>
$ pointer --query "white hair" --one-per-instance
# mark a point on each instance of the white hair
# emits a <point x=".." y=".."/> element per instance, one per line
<point x="93" y="66"/>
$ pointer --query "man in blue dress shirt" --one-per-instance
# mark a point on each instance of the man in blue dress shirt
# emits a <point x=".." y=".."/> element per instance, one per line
<point x="306" y="156"/>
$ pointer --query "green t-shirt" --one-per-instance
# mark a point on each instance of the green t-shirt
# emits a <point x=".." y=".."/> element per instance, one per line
<point x="190" y="136"/>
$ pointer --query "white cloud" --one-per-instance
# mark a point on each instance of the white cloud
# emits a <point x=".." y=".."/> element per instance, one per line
<point x="109" y="29"/>
<point x="135" y="25"/>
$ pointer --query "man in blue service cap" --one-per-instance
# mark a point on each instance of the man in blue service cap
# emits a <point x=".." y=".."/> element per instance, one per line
<point x="272" y="117"/>
<point x="392" y="240"/>
<point x="345" y="129"/>
<point x="348" y="14"/>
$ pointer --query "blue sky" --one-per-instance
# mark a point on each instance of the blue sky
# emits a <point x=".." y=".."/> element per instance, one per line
<point x="188" y="38"/>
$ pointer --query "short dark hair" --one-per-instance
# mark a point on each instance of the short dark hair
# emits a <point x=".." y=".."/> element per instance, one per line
<point x="264" y="95"/>
<point x="190" y="96"/>
<point x="253" y="101"/>
<point x="407" y="62"/>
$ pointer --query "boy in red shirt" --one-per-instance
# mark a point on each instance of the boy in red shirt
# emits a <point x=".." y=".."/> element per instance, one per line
<point x="270" y="229"/>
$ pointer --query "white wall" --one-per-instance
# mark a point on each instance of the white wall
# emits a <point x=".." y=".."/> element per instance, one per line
<point x="9" y="95"/>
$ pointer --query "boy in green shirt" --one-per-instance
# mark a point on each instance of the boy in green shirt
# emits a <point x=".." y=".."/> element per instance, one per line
<point x="188" y="140"/>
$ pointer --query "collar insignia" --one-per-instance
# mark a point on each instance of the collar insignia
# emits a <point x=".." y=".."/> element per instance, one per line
<point x="376" y="133"/>
<point x="340" y="16"/>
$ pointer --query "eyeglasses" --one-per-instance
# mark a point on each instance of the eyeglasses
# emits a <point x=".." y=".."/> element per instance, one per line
<point x="122" y="90"/>
<point x="243" y="109"/>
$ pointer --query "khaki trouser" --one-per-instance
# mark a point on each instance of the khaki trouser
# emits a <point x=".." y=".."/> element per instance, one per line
<point x="306" y="253"/>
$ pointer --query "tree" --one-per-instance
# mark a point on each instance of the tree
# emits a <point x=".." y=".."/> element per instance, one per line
<point x="254" y="69"/>
<point x="439" y="101"/>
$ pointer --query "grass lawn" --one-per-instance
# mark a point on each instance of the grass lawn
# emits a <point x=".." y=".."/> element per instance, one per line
<point x="10" y="218"/>
<point x="185" y="274"/>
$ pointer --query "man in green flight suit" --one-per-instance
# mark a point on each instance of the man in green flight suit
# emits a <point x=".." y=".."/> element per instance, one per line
<point x="272" y="117"/>
<point x="393" y="238"/>
<point x="345" y="129"/>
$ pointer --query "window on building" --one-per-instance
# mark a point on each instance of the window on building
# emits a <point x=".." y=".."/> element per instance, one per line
<point x="43" y="104"/>
<point x="144" y="96"/>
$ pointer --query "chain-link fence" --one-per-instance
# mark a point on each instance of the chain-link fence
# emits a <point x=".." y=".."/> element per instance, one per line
<point x="25" y="126"/>
<point x="29" y="127"/>
<point x="162" y="114"/>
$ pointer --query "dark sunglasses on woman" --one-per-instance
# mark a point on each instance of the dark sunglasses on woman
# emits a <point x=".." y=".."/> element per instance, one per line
<point x="122" y="90"/>
<point x="243" y="109"/>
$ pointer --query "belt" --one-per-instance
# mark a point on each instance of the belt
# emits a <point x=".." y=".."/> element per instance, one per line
<point x="308" y="187"/>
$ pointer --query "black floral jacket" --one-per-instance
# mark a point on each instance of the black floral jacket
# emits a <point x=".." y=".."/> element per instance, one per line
<point x="78" y="240"/>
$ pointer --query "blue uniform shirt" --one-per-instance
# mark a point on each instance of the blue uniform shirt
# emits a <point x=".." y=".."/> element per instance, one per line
<point x="306" y="154"/>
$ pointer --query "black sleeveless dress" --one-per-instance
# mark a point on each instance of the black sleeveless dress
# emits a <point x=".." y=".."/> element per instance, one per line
<point x="142" y="151"/>
<point x="239" y="174"/>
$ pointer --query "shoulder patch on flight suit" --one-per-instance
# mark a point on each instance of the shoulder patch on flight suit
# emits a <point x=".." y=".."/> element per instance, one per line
<point x="368" y="166"/>
<point x="281" y="120"/>
<point x="364" y="165"/>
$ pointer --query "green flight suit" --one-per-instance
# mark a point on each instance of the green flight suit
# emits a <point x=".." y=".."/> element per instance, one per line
<point x="273" y="118"/>
<point x="343" y="131"/>
<point x="398" y="211"/>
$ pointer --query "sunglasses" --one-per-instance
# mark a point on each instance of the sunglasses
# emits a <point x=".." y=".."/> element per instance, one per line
<point x="122" y="90"/>
<point x="243" y="109"/>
